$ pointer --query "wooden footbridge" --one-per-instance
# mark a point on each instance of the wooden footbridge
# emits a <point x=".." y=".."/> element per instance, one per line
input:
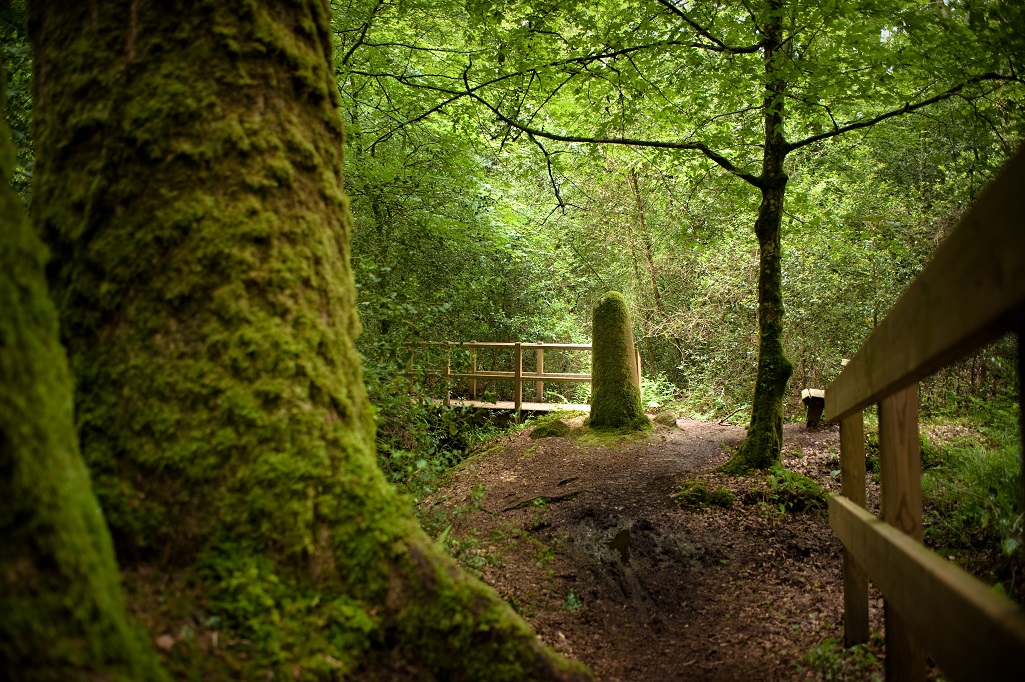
<point x="534" y="378"/>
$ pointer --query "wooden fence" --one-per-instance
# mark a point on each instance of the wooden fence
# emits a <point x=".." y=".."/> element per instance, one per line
<point x="973" y="291"/>
<point x="539" y="376"/>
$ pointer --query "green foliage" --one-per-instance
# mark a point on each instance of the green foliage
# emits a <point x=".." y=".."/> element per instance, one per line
<point x="973" y="496"/>
<point x="788" y="492"/>
<point x="615" y="393"/>
<point x="17" y="110"/>
<point x="573" y="601"/>
<point x="833" y="661"/>
<point x="694" y="495"/>
<point x="658" y="392"/>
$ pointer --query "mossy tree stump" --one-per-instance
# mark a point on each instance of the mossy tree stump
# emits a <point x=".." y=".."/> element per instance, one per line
<point x="615" y="383"/>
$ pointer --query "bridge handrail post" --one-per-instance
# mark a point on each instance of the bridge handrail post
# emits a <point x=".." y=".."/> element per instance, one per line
<point x="518" y="380"/>
<point x="473" y="370"/>
<point x="448" y="375"/>
<point x="852" y="486"/>
<point x="539" y="386"/>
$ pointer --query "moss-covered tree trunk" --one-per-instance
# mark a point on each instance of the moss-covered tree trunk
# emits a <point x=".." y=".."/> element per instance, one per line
<point x="189" y="182"/>
<point x="764" y="442"/>
<point x="615" y="389"/>
<point x="62" y="613"/>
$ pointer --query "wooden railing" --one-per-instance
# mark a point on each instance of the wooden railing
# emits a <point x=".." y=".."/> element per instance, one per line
<point x="516" y="375"/>
<point x="972" y="292"/>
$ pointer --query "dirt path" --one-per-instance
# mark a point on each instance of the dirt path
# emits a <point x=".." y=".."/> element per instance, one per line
<point x="585" y="541"/>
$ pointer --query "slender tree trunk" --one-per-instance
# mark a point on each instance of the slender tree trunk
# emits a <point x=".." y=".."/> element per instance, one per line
<point x="189" y="183"/>
<point x="62" y="613"/>
<point x="764" y="442"/>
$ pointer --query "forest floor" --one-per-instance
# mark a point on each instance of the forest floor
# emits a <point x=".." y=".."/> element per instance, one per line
<point x="583" y="537"/>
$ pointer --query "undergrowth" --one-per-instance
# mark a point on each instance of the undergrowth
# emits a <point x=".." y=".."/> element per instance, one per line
<point x="832" y="661"/>
<point x="972" y="493"/>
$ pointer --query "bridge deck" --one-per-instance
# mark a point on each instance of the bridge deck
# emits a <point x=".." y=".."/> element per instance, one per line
<point x="525" y="407"/>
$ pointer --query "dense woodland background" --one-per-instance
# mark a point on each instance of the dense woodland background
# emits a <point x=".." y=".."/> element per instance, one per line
<point x="470" y="225"/>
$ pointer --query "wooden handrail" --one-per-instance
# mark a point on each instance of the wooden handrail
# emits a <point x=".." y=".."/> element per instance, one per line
<point x="508" y="344"/>
<point x="971" y="292"/>
<point x="955" y="616"/>
<point x="517" y="375"/>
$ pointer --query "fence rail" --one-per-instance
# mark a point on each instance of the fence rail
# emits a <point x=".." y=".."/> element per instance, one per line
<point x="971" y="292"/>
<point x="516" y="375"/>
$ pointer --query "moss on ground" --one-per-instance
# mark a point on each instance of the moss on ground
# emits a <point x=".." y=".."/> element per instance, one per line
<point x="615" y="390"/>
<point x="789" y="491"/>
<point x="551" y="428"/>
<point x="695" y="495"/>
<point x="666" y="418"/>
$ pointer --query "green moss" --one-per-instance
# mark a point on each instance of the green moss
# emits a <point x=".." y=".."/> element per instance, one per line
<point x="190" y="188"/>
<point x="695" y="495"/>
<point x="763" y="445"/>
<point x="64" y="615"/>
<point x="666" y="418"/>
<point x="789" y="491"/>
<point x="550" y="428"/>
<point x="615" y="392"/>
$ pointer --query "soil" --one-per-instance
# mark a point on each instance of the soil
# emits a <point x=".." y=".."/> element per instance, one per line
<point x="583" y="538"/>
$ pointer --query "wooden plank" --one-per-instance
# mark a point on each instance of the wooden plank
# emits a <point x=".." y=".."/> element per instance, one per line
<point x="489" y="374"/>
<point x="512" y="344"/>
<point x="972" y="291"/>
<point x="973" y="633"/>
<point x="518" y="379"/>
<point x="539" y="386"/>
<point x="900" y="462"/>
<point x="852" y="486"/>
<point x="525" y="406"/>
<point x="900" y="483"/>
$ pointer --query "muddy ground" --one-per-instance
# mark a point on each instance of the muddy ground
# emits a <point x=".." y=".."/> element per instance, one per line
<point x="584" y="539"/>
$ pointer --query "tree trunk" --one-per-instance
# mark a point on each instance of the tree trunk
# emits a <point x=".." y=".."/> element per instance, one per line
<point x="189" y="183"/>
<point x="764" y="442"/>
<point x="62" y="613"/>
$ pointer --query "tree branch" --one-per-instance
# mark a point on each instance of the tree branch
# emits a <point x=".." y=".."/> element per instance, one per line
<point x="717" y="45"/>
<point x="906" y="109"/>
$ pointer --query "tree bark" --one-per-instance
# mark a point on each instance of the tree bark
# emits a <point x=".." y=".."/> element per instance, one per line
<point x="762" y="447"/>
<point x="62" y="612"/>
<point x="189" y="183"/>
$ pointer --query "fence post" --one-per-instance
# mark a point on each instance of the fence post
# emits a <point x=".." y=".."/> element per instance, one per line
<point x="518" y="380"/>
<point x="539" y="386"/>
<point x="448" y="374"/>
<point x="852" y="486"/>
<point x="473" y="370"/>
<point x="637" y="366"/>
<point x="900" y="474"/>
<point x="1021" y="413"/>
